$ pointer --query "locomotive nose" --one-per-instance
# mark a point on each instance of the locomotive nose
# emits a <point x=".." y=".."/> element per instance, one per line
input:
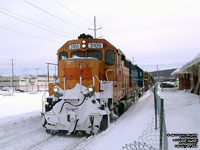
<point x="84" y="71"/>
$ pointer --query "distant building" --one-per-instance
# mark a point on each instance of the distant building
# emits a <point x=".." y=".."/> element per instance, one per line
<point x="189" y="75"/>
<point x="29" y="83"/>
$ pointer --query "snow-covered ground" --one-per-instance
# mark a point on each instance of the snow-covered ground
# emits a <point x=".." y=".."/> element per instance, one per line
<point x="20" y="123"/>
<point x="182" y="112"/>
<point x="18" y="105"/>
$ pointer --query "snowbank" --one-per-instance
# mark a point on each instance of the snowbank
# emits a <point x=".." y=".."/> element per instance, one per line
<point x="19" y="105"/>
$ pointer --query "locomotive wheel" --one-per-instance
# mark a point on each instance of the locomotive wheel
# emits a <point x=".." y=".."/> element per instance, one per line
<point x="104" y="123"/>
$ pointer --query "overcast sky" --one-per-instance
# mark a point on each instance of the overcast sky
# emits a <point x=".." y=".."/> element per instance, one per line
<point x="154" y="32"/>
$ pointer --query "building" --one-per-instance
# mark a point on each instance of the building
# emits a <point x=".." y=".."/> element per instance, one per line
<point x="189" y="75"/>
<point x="27" y="84"/>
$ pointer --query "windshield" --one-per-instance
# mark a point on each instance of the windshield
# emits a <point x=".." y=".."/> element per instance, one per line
<point x="79" y="54"/>
<point x="63" y="55"/>
<point x="95" y="54"/>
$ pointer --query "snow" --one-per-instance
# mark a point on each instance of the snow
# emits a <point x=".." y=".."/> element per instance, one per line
<point x="126" y="129"/>
<point x="20" y="120"/>
<point x="18" y="105"/>
<point x="182" y="110"/>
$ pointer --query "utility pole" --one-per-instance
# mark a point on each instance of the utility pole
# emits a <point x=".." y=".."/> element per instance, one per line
<point x="95" y="28"/>
<point x="48" y="69"/>
<point x="12" y="75"/>
<point x="37" y="78"/>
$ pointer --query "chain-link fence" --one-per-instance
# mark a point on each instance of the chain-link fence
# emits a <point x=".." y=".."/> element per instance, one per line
<point x="160" y="119"/>
<point x="154" y="137"/>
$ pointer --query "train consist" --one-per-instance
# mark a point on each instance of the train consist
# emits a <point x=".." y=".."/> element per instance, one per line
<point x="96" y="82"/>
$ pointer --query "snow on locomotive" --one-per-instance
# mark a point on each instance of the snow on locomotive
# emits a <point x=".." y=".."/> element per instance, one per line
<point x="95" y="83"/>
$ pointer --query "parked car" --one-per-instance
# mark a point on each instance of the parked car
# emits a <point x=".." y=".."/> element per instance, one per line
<point x="167" y="85"/>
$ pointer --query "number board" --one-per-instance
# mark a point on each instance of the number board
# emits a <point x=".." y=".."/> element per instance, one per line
<point x="74" y="46"/>
<point x="95" y="45"/>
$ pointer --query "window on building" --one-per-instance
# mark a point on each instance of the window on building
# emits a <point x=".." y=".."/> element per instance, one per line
<point x="95" y="54"/>
<point x="79" y="54"/>
<point x="42" y="80"/>
<point x="6" y="80"/>
<point x="63" y="55"/>
<point x="110" y="57"/>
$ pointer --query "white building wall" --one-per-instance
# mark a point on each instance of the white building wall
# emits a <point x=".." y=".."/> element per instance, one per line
<point x="26" y="84"/>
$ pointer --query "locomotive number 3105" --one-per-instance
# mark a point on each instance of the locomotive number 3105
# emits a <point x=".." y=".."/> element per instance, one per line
<point x="95" y="45"/>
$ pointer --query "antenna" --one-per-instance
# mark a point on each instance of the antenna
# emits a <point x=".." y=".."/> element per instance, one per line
<point x="95" y="28"/>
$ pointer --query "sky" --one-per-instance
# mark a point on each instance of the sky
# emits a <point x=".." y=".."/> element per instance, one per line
<point x="150" y="32"/>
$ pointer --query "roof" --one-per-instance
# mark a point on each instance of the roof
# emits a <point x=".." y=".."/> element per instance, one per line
<point x="184" y="68"/>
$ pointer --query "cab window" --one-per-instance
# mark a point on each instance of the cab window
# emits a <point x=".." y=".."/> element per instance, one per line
<point x="110" y="57"/>
<point x="95" y="54"/>
<point x="79" y="54"/>
<point x="63" y="55"/>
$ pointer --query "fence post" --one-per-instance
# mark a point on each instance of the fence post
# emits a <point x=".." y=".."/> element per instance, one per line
<point x="165" y="135"/>
<point x="161" y="122"/>
<point x="155" y="105"/>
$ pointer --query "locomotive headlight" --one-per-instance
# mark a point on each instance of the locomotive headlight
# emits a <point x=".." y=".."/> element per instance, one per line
<point x="90" y="89"/>
<point x="83" y="41"/>
<point x="84" y="45"/>
<point x="55" y="89"/>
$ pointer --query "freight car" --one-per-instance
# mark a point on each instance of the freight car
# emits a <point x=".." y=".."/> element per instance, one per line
<point x="95" y="84"/>
<point x="148" y="80"/>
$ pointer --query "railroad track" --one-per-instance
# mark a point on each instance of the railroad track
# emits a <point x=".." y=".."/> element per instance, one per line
<point x="74" y="145"/>
<point x="42" y="142"/>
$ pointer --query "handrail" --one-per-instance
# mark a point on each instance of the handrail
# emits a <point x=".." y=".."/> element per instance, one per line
<point x="107" y="73"/>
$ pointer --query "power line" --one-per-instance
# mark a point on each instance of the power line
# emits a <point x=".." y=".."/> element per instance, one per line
<point x="33" y="24"/>
<point x="50" y="14"/>
<point x="27" y="34"/>
<point x="33" y="20"/>
<point x="76" y="14"/>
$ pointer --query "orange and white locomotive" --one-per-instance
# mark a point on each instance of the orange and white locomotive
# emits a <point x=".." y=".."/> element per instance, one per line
<point x="95" y="83"/>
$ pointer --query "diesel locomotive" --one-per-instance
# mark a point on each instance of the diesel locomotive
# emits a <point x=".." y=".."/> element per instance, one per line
<point x="95" y="84"/>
